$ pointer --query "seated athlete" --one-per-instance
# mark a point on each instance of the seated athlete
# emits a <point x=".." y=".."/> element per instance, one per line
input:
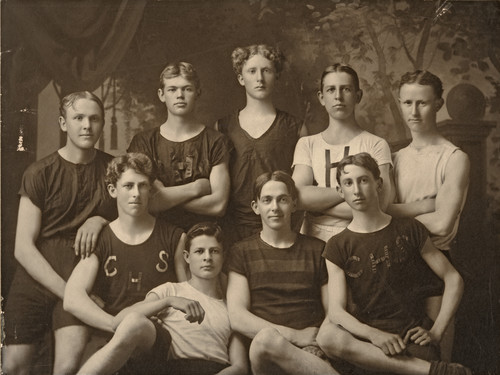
<point x="193" y="312"/>
<point x="134" y="253"/>
<point x="380" y="260"/>
<point x="277" y="286"/>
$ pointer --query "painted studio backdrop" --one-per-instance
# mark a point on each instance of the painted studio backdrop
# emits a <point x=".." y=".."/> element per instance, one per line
<point x="118" y="49"/>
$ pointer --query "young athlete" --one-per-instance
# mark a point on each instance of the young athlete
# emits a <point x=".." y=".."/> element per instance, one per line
<point x="135" y="253"/>
<point x="262" y="137"/>
<point x="63" y="207"/>
<point x="277" y="286"/>
<point x="380" y="261"/>
<point x="316" y="156"/>
<point x="193" y="312"/>
<point x="190" y="159"/>
<point x="431" y="174"/>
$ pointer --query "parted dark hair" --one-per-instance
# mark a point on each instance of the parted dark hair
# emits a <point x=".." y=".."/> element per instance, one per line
<point x="337" y="68"/>
<point x="363" y="159"/>
<point x="242" y="54"/>
<point x="133" y="160"/>
<point x="207" y="228"/>
<point x="183" y="69"/>
<point x="70" y="99"/>
<point x="274" y="176"/>
<point x="425" y="78"/>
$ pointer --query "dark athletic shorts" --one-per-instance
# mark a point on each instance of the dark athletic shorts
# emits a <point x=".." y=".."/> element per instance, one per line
<point x="154" y="361"/>
<point x="194" y="367"/>
<point x="31" y="309"/>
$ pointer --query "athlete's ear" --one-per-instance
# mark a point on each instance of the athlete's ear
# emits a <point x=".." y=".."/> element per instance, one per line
<point x="185" y="254"/>
<point x="62" y="123"/>
<point x="161" y="95"/>
<point x="320" y="98"/>
<point x="339" y="190"/>
<point x="241" y="80"/>
<point x="359" y="94"/>
<point x="255" y="207"/>
<point x="112" y="190"/>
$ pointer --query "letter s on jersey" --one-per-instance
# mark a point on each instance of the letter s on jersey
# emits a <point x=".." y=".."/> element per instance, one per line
<point x="163" y="265"/>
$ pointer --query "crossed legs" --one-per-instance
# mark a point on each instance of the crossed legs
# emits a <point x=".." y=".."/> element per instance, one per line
<point x="271" y="353"/>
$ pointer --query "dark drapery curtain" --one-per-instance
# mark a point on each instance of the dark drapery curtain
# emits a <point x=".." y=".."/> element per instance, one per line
<point x="77" y="43"/>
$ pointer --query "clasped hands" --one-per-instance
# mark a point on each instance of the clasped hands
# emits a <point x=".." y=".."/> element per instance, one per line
<point x="393" y="344"/>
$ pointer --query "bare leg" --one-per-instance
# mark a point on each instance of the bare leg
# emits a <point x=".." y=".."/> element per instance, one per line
<point x="337" y="342"/>
<point x="271" y="353"/>
<point x="17" y="359"/>
<point x="135" y="333"/>
<point x="70" y="344"/>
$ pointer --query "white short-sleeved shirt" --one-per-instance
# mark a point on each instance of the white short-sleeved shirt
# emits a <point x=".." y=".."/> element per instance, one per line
<point x="208" y="340"/>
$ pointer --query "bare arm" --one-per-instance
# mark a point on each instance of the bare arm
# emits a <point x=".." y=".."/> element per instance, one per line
<point x="337" y="302"/>
<point x="450" y="197"/>
<point x="77" y="298"/>
<point x="412" y="209"/>
<point x="453" y="288"/>
<point x="389" y="343"/>
<point x="341" y="210"/>
<point x="153" y="304"/>
<point x="213" y="204"/>
<point x="28" y="228"/>
<point x="313" y="198"/>
<point x="87" y="234"/>
<point x="181" y="267"/>
<point x="166" y="197"/>
<point x="238" y="357"/>
<point x="409" y="209"/>
<point x="248" y="324"/>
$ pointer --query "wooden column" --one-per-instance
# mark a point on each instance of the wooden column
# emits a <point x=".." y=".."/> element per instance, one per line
<point x="475" y="254"/>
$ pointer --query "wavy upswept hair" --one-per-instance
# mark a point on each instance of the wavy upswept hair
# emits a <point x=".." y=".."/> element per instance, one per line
<point x="424" y="78"/>
<point x="70" y="99"/>
<point x="242" y="54"/>
<point x="137" y="161"/>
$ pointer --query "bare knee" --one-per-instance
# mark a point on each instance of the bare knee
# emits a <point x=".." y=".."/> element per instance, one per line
<point x="334" y="341"/>
<point x="135" y="329"/>
<point x="16" y="360"/>
<point x="266" y="345"/>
